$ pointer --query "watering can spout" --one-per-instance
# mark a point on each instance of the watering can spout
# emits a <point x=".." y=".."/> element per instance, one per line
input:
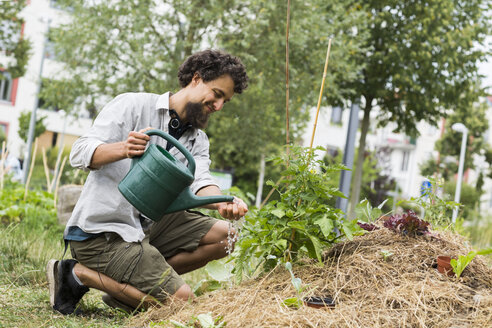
<point x="187" y="200"/>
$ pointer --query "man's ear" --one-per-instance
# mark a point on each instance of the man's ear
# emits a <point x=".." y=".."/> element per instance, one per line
<point x="196" y="78"/>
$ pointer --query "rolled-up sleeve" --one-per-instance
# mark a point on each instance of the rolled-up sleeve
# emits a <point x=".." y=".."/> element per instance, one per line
<point x="200" y="153"/>
<point x="108" y="127"/>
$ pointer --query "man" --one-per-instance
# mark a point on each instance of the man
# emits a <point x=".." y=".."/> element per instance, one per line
<point x="136" y="261"/>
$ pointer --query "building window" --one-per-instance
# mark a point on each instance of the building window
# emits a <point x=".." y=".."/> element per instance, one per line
<point x="336" y="115"/>
<point x="5" y="86"/>
<point x="404" y="161"/>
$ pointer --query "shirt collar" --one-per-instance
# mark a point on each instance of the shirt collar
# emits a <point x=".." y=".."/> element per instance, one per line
<point x="163" y="103"/>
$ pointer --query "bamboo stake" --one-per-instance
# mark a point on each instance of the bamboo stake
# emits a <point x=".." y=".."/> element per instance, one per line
<point x="287" y="141"/>
<point x="321" y="93"/>
<point x="46" y="169"/>
<point x="57" y="164"/>
<point x="31" y="168"/>
<point x="58" y="179"/>
<point x="2" y="161"/>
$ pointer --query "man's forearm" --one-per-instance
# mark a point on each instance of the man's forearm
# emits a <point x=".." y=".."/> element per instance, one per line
<point x="211" y="190"/>
<point x="107" y="153"/>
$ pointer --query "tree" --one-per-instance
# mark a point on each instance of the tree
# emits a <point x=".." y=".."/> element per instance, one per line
<point x="120" y="46"/>
<point x="24" y="119"/>
<point x="423" y="57"/>
<point x="473" y="115"/>
<point x="111" y="47"/>
<point x="14" y="48"/>
<point x="258" y="37"/>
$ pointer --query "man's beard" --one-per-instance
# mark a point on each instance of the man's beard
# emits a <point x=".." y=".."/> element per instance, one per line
<point x="196" y="115"/>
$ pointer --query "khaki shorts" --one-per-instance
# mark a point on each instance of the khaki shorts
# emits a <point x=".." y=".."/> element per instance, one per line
<point x="143" y="264"/>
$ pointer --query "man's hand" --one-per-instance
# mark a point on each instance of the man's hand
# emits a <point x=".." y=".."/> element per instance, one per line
<point x="133" y="146"/>
<point x="136" y="142"/>
<point x="233" y="210"/>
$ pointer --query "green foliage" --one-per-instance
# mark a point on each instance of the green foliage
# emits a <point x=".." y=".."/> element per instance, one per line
<point x="387" y="255"/>
<point x="13" y="207"/>
<point x="14" y="48"/>
<point x="204" y="320"/>
<point x="110" y="48"/>
<point x="24" y="121"/>
<point x="437" y="208"/>
<point x="469" y="196"/>
<point x="297" y="283"/>
<point x="422" y="63"/>
<point x="366" y="213"/>
<point x="301" y="223"/>
<point x="463" y="260"/>
<point x="473" y="115"/>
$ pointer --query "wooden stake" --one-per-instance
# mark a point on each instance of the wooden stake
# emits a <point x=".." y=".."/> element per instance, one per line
<point x="46" y="170"/>
<point x="320" y="93"/>
<point x="287" y="140"/>
<point x="31" y="168"/>
<point x="58" y="179"/>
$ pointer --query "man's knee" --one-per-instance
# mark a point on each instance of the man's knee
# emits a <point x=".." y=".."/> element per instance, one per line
<point x="184" y="293"/>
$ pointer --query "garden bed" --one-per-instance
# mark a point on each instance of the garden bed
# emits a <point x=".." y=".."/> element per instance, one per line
<point x="380" y="279"/>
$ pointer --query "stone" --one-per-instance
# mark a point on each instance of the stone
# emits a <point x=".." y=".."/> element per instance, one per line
<point x="68" y="195"/>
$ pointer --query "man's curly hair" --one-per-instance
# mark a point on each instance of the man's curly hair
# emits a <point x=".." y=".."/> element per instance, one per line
<point x="211" y="64"/>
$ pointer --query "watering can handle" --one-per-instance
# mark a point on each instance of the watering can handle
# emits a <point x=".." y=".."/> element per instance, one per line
<point x="178" y="145"/>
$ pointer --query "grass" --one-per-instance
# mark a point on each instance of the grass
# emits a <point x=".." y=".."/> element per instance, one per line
<point x="25" y="248"/>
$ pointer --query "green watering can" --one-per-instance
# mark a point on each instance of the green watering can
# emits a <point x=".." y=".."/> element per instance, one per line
<point x="158" y="183"/>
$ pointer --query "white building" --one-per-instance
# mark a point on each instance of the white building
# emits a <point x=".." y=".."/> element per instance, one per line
<point x="20" y="95"/>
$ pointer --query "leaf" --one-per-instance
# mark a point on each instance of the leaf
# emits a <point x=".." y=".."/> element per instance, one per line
<point x="292" y="302"/>
<point x="206" y="320"/>
<point x="326" y="225"/>
<point x="278" y="213"/>
<point x="218" y="271"/>
<point x="348" y="229"/>
<point x="317" y="247"/>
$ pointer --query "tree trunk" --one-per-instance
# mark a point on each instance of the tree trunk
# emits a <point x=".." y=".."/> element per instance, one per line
<point x="354" y="196"/>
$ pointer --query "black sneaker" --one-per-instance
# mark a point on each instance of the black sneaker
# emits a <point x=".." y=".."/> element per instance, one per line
<point x="68" y="292"/>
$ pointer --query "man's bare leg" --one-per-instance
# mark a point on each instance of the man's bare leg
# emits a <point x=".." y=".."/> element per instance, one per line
<point x="123" y="292"/>
<point x="212" y="247"/>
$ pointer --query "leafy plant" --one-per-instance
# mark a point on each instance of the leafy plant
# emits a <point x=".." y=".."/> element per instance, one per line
<point x="437" y="209"/>
<point x="463" y="260"/>
<point x="368" y="226"/>
<point x="365" y="212"/>
<point x="407" y="224"/>
<point x="204" y="320"/>
<point x="13" y="207"/>
<point x="386" y="254"/>
<point x="300" y="223"/>
<point x="297" y="283"/>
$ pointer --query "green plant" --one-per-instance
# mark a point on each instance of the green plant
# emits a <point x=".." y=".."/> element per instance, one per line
<point x="203" y="320"/>
<point x="463" y="260"/>
<point x="437" y="209"/>
<point x="301" y="223"/>
<point x="297" y="283"/>
<point x="365" y="212"/>
<point x="386" y="254"/>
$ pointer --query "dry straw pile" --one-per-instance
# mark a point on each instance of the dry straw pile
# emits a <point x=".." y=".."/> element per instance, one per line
<point x="404" y="290"/>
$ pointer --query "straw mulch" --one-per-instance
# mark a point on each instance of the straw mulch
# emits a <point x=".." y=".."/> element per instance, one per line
<point x="406" y="290"/>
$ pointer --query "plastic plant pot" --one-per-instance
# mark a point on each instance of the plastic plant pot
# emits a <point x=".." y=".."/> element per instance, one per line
<point x="318" y="302"/>
<point x="444" y="265"/>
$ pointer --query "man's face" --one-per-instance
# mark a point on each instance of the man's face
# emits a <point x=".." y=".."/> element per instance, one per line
<point x="207" y="98"/>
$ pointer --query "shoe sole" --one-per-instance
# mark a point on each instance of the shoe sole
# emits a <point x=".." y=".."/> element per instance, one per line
<point x="52" y="277"/>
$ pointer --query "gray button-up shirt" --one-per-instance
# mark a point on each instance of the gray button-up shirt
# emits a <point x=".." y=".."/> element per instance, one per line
<point x="101" y="207"/>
